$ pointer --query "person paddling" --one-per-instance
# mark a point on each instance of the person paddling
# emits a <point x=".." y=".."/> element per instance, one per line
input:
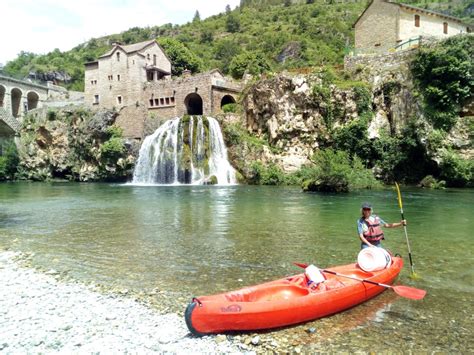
<point x="369" y="227"/>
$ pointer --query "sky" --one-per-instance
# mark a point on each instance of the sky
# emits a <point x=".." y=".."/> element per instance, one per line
<point x="40" y="26"/>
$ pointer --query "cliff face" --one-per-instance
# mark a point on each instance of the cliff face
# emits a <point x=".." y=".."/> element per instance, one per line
<point x="73" y="144"/>
<point x="293" y="115"/>
<point x="294" y="118"/>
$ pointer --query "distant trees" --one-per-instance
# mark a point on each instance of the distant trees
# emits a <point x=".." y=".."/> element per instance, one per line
<point x="197" y="16"/>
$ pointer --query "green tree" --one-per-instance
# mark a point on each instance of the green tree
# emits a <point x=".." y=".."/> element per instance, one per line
<point x="248" y="62"/>
<point x="232" y="23"/>
<point x="181" y="57"/>
<point x="197" y="16"/>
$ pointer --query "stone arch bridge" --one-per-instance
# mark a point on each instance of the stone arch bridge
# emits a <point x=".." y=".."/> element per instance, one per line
<point x="16" y="98"/>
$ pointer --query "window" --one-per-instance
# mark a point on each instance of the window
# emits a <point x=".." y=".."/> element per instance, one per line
<point x="96" y="99"/>
<point x="118" y="56"/>
<point x="148" y="56"/>
<point x="151" y="102"/>
<point x="162" y="101"/>
<point x="154" y="59"/>
<point x="119" y="100"/>
<point x="445" y="28"/>
<point x="167" y="100"/>
<point x="118" y="77"/>
<point x="172" y="101"/>
<point x="417" y="20"/>
<point x="111" y="77"/>
<point x="157" y="102"/>
<point x="149" y="75"/>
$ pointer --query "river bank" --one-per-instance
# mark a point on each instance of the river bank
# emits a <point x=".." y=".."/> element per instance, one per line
<point x="42" y="314"/>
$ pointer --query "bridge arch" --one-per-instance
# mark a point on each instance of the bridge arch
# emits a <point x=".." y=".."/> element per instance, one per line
<point x="3" y="90"/>
<point x="16" y="101"/>
<point x="193" y="103"/>
<point x="32" y="99"/>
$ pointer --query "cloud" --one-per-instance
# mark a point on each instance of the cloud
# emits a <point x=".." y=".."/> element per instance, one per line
<point x="41" y="26"/>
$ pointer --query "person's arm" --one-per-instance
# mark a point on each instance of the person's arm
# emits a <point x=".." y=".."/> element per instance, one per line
<point x="403" y="222"/>
<point x="360" y="230"/>
<point x="365" y="241"/>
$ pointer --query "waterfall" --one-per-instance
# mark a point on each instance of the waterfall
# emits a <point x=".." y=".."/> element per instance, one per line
<point x="188" y="150"/>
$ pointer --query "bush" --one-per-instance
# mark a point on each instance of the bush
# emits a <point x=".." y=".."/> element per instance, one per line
<point x="430" y="182"/>
<point x="334" y="171"/>
<point x="457" y="172"/>
<point x="444" y="74"/>
<point x="354" y="139"/>
<point x="267" y="175"/>
<point x="9" y="162"/>
<point x="114" y="132"/>
<point x="230" y="108"/>
<point x="112" y="149"/>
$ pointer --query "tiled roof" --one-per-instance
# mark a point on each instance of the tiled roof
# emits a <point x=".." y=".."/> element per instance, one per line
<point x="130" y="48"/>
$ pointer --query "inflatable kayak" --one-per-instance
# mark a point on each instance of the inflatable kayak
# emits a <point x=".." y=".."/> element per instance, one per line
<point x="287" y="301"/>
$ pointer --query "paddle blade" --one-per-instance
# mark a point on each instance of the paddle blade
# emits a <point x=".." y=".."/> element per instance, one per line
<point x="409" y="292"/>
<point x="414" y="276"/>
<point x="301" y="265"/>
<point x="399" y="196"/>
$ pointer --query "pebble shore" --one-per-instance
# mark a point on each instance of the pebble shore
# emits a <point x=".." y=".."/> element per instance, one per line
<point x="39" y="313"/>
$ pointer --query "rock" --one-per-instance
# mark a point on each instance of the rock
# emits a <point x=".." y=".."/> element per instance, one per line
<point x="311" y="330"/>
<point x="256" y="340"/>
<point x="220" y="338"/>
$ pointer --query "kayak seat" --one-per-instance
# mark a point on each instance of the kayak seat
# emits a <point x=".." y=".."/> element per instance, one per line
<point x="271" y="293"/>
<point x="329" y="284"/>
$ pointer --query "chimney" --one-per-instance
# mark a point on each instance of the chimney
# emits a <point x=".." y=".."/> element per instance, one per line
<point x="186" y="73"/>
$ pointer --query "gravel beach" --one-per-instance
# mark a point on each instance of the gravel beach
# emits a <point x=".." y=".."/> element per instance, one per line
<point x="40" y="314"/>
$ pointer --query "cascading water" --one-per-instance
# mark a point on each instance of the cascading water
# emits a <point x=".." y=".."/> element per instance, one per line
<point x="188" y="150"/>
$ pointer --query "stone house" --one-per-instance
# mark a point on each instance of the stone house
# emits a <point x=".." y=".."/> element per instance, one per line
<point x="386" y="25"/>
<point x="136" y="80"/>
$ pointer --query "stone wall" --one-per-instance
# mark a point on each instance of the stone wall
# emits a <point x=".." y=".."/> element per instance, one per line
<point x="377" y="28"/>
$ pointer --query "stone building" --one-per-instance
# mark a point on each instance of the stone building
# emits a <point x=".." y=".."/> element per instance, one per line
<point x="386" y="25"/>
<point x="136" y="80"/>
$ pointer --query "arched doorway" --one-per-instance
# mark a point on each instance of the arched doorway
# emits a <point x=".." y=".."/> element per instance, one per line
<point x="2" y="95"/>
<point x="227" y="99"/>
<point x="16" y="100"/>
<point x="193" y="104"/>
<point x="33" y="99"/>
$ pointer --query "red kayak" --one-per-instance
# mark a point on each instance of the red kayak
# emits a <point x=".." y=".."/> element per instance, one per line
<point x="287" y="301"/>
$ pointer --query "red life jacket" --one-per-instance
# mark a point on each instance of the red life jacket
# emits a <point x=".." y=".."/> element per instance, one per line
<point x="374" y="232"/>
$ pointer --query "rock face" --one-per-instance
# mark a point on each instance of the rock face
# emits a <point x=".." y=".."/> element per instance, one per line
<point x="73" y="144"/>
<point x="294" y="118"/>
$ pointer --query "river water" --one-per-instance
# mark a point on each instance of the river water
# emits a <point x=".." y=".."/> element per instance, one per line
<point x="196" y="240"/>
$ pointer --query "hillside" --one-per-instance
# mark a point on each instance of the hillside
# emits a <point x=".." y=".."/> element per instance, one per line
<point x="279" y="34"/>
<point x="299" y="35"/>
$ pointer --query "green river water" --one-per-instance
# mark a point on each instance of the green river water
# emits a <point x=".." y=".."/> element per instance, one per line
<point x="195" y="240"/>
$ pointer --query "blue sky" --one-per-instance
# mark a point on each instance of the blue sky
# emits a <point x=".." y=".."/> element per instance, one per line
<point x="40" y="26"/>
